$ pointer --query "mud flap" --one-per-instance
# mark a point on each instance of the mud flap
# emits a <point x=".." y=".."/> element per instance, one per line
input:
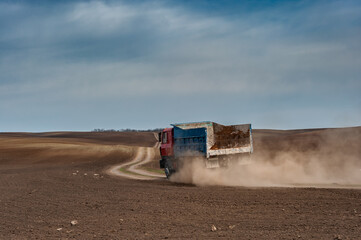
<point x="162" y="163"/>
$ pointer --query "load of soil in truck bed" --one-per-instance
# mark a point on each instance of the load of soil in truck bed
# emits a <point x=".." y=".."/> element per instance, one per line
<point x="229" y="137"/>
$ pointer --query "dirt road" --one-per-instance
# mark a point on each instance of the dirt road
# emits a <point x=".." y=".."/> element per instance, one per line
<point x="133" y="170"/>
<point x="49" y="179"/>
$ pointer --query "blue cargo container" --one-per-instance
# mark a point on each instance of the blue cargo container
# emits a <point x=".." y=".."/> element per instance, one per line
<point x="216" y="144"/>
<point x="190" y="142"/>
<point x="211" y="140"/>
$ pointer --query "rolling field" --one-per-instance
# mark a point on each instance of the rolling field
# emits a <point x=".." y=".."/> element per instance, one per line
<point x="48" y="180"/>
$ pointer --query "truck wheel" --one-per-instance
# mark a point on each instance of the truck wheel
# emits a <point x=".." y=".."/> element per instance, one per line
<point x="167" y="170"/>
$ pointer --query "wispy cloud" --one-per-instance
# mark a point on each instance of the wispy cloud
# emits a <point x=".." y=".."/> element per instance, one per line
<point x="113" y="50"/>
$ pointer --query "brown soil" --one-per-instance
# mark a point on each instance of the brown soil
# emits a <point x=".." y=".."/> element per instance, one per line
<point x="43" y="188"/>
<point x="230" y="137"/>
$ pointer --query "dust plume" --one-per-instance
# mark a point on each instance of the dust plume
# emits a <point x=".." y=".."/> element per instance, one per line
<point x="320" y="157"/>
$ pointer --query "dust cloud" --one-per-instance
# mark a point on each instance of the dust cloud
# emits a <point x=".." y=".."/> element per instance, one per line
<point x="319" y="158"/>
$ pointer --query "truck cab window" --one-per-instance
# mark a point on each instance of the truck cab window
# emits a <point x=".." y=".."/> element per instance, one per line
<point x="164" y="137"/>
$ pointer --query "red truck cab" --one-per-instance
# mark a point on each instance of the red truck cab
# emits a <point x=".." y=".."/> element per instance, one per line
<point x="166" y="140"/>
<point x="166" y="150"/>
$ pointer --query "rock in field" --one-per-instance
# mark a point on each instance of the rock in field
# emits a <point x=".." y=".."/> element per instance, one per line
<point x="74" y="222"/>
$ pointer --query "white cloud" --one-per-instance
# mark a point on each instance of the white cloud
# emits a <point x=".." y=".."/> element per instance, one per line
<point x="107" y="49"/>
<point x="101" y="17"/>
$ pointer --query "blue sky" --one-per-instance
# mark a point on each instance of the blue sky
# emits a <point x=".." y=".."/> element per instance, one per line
<point x="80" y="65"/>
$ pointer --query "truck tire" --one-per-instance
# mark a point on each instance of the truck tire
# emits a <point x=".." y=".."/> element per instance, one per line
<point x="168" y="170"/>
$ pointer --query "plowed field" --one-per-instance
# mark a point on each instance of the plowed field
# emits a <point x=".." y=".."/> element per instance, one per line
<point x="48" y="180"/>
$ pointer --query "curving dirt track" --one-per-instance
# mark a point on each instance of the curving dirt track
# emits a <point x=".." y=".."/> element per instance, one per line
<point x="133" y="170"/>
<point x="50" y="179"/>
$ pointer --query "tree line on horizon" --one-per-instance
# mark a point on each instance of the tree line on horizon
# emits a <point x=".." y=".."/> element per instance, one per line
<point x="126" y="130"/>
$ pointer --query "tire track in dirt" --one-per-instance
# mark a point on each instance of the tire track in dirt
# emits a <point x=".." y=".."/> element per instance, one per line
<point x="132" y="169"/>
<point x="136" y="168"/>
<point x="157" y="144"/>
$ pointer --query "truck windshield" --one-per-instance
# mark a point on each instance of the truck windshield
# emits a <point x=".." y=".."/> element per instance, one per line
<point x="164" y="137"/>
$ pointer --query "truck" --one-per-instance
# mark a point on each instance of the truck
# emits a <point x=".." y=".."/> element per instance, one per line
<point x="214" y="144"/>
